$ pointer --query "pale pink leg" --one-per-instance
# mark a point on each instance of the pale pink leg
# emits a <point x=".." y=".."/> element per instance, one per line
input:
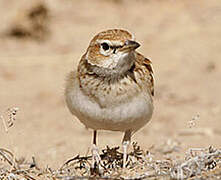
<point x="96" y="159"/>
<point x="126" y="143"/>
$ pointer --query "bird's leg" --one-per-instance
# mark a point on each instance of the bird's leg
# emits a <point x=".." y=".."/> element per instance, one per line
<point x="95" y="152"/>
<point x="126" y="143"/>
<point x="95" y="137"/>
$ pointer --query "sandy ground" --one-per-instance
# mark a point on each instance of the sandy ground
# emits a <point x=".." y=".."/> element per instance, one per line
<point x="181" y="37"/>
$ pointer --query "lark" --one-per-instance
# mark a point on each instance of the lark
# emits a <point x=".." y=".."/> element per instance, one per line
<point x="112" y="88"/>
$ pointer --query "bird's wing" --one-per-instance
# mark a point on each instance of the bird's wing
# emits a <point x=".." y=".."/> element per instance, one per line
<point x="144" y="66"/>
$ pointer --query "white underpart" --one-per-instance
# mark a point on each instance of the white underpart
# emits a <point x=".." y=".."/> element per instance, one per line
<point x="132" y="114"/>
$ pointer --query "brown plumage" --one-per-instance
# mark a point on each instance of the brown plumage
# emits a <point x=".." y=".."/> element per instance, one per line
<point x="113" y="86"/>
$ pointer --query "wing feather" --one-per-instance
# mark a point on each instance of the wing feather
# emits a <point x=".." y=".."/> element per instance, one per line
<point x="145" y="65"/>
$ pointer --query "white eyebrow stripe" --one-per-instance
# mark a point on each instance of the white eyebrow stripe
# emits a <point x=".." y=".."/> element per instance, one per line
<point x="104" y="41"/>
<point x="111" y="43"/>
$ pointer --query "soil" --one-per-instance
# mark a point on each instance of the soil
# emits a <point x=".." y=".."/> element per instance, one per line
<point x="41" y="41"/>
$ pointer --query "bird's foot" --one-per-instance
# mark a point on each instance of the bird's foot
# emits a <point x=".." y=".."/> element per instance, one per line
<point x="96" y="160"/>
<point x="95" y="156"/>
<point x="125" y="147"/>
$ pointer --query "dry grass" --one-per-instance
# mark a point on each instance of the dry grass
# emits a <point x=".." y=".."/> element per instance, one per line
<point x="197" y="164"/>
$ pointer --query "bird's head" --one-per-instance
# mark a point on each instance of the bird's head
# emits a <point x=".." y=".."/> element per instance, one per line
<point x="112" y="49"/>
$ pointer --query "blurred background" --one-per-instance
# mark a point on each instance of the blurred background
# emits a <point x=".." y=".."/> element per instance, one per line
<point x="41" y="41"/>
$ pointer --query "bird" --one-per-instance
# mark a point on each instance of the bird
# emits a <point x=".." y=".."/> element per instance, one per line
<point x="112" y="87"/>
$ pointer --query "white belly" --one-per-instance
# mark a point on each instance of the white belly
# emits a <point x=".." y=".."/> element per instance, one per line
<point x="132" y="115"/>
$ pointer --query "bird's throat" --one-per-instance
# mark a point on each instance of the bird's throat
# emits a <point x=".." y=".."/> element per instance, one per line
<point x="124" y="66"/>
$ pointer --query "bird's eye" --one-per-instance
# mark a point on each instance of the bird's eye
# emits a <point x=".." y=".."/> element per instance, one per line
<point x="105" y="46"/>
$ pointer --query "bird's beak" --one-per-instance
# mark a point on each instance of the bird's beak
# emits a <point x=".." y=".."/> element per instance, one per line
<point x="130" y="45"/>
